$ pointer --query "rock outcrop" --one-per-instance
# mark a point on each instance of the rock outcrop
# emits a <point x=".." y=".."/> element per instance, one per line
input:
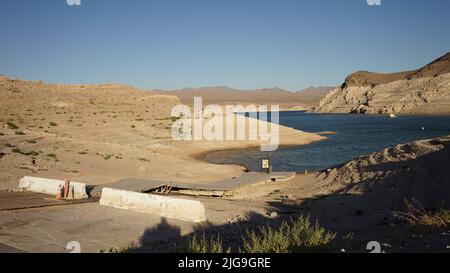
<point x="422" y="91"/>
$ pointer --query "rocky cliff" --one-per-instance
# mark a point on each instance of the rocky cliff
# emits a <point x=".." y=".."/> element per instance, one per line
<point x="422" y="91"/>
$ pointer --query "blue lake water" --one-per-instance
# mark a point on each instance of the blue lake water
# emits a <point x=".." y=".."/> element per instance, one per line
<point x="356" y="135"/>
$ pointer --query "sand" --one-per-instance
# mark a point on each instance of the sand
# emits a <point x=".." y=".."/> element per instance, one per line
<point x="102" y="133"/>
<point x="360" y="197"/>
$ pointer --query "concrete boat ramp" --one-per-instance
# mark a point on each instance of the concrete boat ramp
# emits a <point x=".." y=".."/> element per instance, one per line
<point x="217" y="189"/>
<point x="140" y="195"/>
<point x="110" y="215"/>
<point x="168" y="199"/>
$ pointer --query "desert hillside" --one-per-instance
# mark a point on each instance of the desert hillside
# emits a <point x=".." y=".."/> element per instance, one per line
<point x="303" y="99"/>
<point x="422" y="91"/>
<point x="417" y="170"/>
<point x="365" y="195"/>
<point x="102" y="133"/>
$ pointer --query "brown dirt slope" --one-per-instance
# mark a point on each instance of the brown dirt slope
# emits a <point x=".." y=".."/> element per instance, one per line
<point x="102" y="133"/>
<point x="362" y="196"/>
<point x="417" y="170"/>
<point x="365" y="78"/>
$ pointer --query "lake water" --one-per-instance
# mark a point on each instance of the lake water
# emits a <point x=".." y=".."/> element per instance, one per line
<point x="356" y="135"/>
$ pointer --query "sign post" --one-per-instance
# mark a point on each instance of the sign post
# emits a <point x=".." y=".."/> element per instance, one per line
<point x="265" y="165"/>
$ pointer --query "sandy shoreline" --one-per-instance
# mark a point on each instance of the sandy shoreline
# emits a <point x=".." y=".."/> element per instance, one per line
<point x="201" y="156"/>
<point x="103" y="133"/>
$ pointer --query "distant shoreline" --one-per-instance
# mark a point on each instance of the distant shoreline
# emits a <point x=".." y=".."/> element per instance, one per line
<point x="200" y="156"/>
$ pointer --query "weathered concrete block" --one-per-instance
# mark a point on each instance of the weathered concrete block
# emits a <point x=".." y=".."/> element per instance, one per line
<point x="170" y="207"/>
<point x="50" y="186"/>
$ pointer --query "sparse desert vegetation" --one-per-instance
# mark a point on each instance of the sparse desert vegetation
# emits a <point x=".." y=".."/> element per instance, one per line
<point x="53" y="156"/>
<point x="292" y="236"/>
<point x="421" y="220"/>
<point x="128" y="123"/>
<point x="201" y="244"/>
<point x="105" y="148"/>
<point x="11" y="125"/>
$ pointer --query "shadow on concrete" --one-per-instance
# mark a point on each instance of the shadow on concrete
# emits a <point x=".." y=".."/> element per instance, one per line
<point x="163" y="229"/>
<point x="176" y="242"/>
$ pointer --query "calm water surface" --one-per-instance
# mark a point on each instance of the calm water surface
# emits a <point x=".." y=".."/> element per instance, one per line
<point x="356" y="135"/>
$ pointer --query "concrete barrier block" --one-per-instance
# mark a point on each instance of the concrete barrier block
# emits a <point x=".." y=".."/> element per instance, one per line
<point x="170" y="207"/>
<point x="50" y="186"/>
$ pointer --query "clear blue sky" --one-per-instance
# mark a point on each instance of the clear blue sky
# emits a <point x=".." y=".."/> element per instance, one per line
<point x="238" y="43"/>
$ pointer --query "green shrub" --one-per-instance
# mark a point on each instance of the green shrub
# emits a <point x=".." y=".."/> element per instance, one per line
<point x="133" y="246"/>
<point x="51" y="156"/>
<point x="32" y="153"/>
<point x="421" y="220"/>
<point x="53" y="124"/>
<point x="297" y="236"/>
<point x="11" y="125"/>
<point x="290" y="237"/>
<point x="20" y="133"/>
<point x="19" y="151"/>
<point x="203" y="245"/>
<point x="414" y="148"/>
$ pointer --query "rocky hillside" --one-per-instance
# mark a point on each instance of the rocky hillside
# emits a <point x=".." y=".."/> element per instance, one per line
<point x="422" y="91"/>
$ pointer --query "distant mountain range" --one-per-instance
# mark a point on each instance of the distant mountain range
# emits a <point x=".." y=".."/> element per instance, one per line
<point x="422" y="91"/>
<point x="302" y="99"/>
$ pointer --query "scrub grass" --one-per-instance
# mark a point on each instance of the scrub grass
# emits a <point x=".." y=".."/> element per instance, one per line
<point x="293" y="236"/>
<point x="203" y="245"/>
<point x="421" y="220"/>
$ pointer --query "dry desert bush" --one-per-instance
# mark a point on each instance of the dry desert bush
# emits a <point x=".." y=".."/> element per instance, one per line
<point x="422" y="220"/>
<point x="292" y="236"/>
